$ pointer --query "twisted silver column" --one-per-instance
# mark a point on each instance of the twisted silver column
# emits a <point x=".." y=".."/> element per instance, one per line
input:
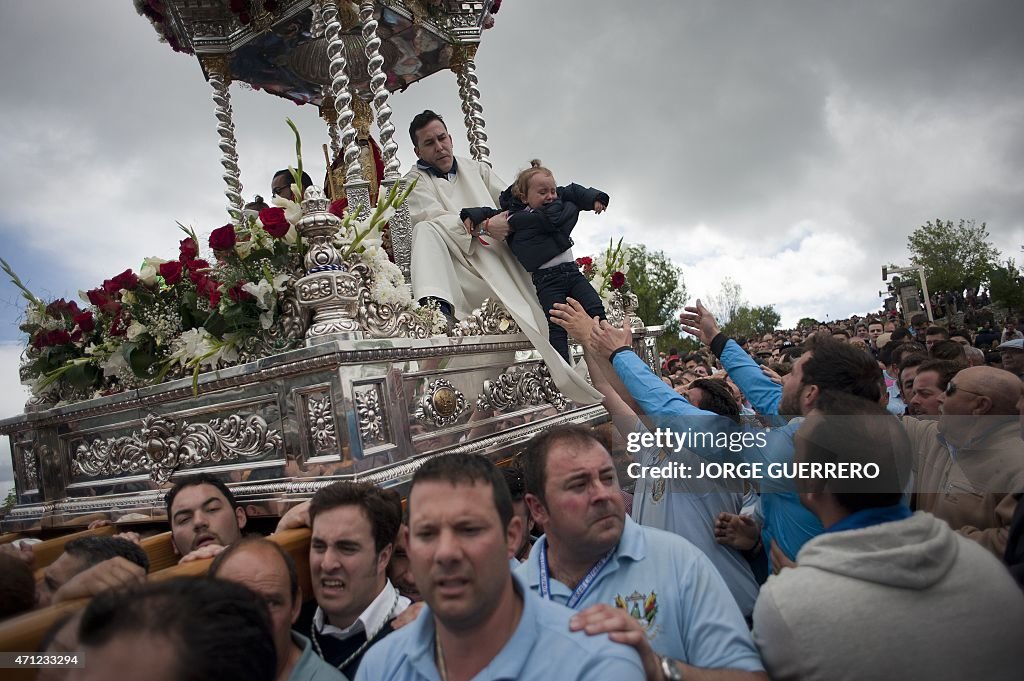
<point x="339" y="87"/>
<point x="330" y="115"/>
<point x="378" y="79"/>
<point x="469" y="92"/>
<point x="219" y="81"/>
<point x="460" y="78"/>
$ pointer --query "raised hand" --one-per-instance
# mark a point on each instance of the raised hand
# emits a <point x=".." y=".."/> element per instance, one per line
<point x="698" y="321"/>
<point x="606" y="339"/>
<point x="573" y="318"/>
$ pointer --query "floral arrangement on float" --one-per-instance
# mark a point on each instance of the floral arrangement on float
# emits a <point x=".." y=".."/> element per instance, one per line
<point x="198" y="312"/>
<point x="607" y="272"/>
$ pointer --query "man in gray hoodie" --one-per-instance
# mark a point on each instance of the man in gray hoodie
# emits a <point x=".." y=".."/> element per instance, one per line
<point x="882" y="593"/>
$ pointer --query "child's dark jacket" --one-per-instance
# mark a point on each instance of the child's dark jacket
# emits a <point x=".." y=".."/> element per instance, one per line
<point x="539" y="235"/>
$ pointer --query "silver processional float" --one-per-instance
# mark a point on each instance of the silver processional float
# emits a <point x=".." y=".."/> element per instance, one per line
<point x="346" y="380"/>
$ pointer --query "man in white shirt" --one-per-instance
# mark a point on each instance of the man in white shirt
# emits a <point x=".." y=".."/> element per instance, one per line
<point x="458" y="266"/>
<point x="354" y="526"/>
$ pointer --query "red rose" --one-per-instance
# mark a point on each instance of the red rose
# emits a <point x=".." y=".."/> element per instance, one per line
<point x="208" y="287"/>
<point x="58" y="337"/>
<point x="62" y="308"/>
<point x="188" y="249"/>
<point x="223" y="238"/>
<point x="85" y="321"/>
<point x="196" y="269"/>
<point x="171" y="272"/>
<point x="338" y="207"/>
<point x="103" y="300"/>
<point x="119" y="327"/>
<point x="618" y="279"/>
<point x="127" y="280"/>
<point x="238" y="295"/>
<point x="274" y="222"/>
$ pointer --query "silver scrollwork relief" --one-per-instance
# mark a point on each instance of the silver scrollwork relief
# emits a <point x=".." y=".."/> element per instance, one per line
<point x="441" y="405"/>
<point x="385" y="320"/>
<point x="624" y="306"/>
<point x="489" y="319"/>
<point x="521" y="388"/>
<point x="30" y="467"/>
<point x="371" y="416"/>
<point x="320" y="417"/>
<point x="159" y="449"/>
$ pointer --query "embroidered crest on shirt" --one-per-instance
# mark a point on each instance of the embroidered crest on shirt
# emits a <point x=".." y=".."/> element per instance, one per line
<point x="658" y="488"/>
<point x="643" y="608"/>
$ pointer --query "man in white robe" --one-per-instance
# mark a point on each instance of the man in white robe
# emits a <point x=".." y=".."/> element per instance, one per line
<point x="454" y="266"/>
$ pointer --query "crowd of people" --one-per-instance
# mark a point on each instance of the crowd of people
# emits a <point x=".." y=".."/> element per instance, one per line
<point x="556" y="567"/>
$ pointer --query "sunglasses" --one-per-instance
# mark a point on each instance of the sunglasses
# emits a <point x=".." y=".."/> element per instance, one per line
<point x="952" y="388"/>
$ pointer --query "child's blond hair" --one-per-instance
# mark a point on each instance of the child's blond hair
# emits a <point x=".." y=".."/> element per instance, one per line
<point x="522" y="183"/>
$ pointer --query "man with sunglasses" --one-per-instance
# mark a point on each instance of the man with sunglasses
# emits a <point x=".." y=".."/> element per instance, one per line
<point x="969" y="463"/>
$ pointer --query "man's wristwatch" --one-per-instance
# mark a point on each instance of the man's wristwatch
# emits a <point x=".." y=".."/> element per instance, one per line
<point x="670" y="670"/>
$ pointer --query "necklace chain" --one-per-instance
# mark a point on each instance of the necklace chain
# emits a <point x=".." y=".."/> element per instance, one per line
<point x="442" y="668"/>
<point x="369" y="639"/>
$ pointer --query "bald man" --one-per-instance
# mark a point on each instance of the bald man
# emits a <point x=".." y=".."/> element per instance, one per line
<point x="969" y="465"/>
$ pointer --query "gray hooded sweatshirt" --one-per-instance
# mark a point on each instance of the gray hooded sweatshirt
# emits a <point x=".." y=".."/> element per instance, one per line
<point x="903" y="600"/>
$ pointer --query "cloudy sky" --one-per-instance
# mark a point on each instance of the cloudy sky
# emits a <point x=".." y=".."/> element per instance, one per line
<point x="791" y="145"/>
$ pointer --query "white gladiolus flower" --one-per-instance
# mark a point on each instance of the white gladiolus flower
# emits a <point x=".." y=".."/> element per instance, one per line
<point x="292" y="210"/>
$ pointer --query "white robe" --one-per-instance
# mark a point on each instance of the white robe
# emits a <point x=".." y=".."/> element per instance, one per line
<point x="448" y="263"/>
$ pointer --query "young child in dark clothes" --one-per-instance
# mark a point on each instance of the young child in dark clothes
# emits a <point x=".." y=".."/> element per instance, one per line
<point x="542" y="215"/>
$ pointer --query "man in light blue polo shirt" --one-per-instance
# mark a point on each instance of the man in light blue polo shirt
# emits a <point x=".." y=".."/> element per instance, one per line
<point x="593" y="555"/>
<point x="826" y="365"/>
<point x="481" y="623"/>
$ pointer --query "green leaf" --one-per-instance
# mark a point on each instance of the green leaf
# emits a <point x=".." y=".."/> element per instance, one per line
<point x="140" y="359"/>
<point x="81" y="375"/>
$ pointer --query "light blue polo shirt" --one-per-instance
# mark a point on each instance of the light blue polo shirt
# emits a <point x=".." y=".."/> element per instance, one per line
<point x="690" y="508"/>
<point x="541" y="648"/>
<point x="786" y="520"/>
<point x="674" y="591"/>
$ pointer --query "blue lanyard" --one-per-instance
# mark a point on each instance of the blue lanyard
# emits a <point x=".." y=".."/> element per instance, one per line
<point x="581" y="588"/>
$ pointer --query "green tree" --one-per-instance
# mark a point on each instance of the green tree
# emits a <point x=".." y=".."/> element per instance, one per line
<point x="752" y="321"/>
<point x="660" y="290"/>
<point x="9" y="502"/>
<point x="808" y="321"/>
<point x="1006" y="286"/>
<point x="728" y="302"/>
<point x="954" y="257"/>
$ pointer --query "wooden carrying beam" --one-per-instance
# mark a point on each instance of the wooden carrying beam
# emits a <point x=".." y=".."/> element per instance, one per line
<point x="48" y="551"/>
<point x="24" y="633"/>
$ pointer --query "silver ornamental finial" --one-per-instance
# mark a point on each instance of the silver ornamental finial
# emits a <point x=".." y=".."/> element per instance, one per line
<point x="329" y="288"/>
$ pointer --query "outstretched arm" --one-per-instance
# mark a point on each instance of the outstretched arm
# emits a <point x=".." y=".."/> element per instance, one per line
<point x="573" y="318"/>
<point x="763" y="393"/>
